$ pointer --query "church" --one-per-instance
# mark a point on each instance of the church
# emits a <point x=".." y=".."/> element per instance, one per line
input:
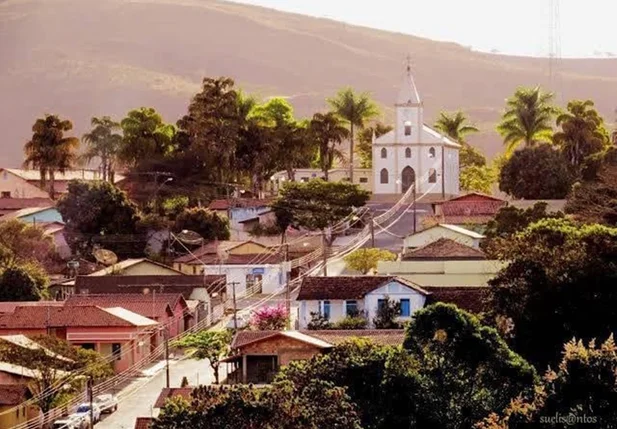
<point x="412" y="152"/>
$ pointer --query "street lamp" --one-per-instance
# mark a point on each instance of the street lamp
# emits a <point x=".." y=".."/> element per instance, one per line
<point x="156" y="192"/>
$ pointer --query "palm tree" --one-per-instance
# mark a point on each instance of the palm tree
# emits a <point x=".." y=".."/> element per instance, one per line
<point x="327" y="130"/>
<point x="582" y="132"/>
<point x="527" y="118"/>
<point x="103" y="143"/>
<point x="49" y="151"/>
<point x="356" y="109"/>
<point x="454" y="125"/>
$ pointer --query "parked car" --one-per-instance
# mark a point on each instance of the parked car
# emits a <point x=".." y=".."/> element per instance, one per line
<point x="107" y="403"/>
<point x="84" y="410"/>
<point x="72" y="422"/>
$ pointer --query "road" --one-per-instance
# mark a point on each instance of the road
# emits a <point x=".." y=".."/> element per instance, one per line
<point x="139" y="402"/>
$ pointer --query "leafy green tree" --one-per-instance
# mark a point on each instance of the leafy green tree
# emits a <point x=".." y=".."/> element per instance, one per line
<point x="22" y="243"/>
<point x="23" y="283"/>
<point x="455" y="125"/>
<point x="477" y="179"/>
<point x="365" y="260"/>
<point x="460" y="370"/>
<point x="350" y="323"/>
<point x="560" y="272"/>
<point x="98" y="213"/>
<point x="536" y="173"/>
<point x="364" y="148"/>
<point x="174" y="206"/>
<point x="210" y="345"/>
<point x="146" y="137"/>
<point x="207" y="223"/>
<point x="49" y="151"/>
<point x="469" y="156"/>
<point x="103" y="142"/>
<point x="582" y="133"/>
<point x="327" y="131"/>
<point x="527" y="118"/>
<point x="356" y="109"/>
<point x="387" y="314"/>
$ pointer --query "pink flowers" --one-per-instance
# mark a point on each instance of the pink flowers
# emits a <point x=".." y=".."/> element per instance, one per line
<point x="269" y="318"/>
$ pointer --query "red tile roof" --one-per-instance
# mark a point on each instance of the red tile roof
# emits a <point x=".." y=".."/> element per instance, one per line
<point x="378" y="336"/>
<point x="41" y="317"/>
<point x="24" y="203"/>
<point x="138" y="284"/>
<point x="10" y="306"/>
<point x="172" y="392"/>
<point x="13" y="394"/>
<point x="463" y="220"/>
<point x="245" y="259"/>
<point x="444" y="248"/>
<point x="143" y="422"/>
<point x="470" y="298"/>
<point x="346" y="287"/>
<point x="239" y="202"/>
<point x="474" y="196"/>
<point x="152" y="306"/>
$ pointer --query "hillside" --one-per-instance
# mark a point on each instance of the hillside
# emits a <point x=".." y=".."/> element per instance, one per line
<point x="81" y="58"/>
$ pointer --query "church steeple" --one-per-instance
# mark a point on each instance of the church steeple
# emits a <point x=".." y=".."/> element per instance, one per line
<point x="408" y="94"/>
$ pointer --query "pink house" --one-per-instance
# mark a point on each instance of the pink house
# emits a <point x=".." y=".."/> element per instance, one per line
<point x="112" y="331"/>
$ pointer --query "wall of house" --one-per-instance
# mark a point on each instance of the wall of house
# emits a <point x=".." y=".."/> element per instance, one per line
<point x="433" y="234"/>
<point x="18" y="187"/>
<point x="273" y="276"/>
<point x="10" y="378"/>
<point x="286" y="349"/>
<point x="394" y="291"/>
<point x="362" y="176"/>
<point x="337" y="310"/>
<point x="148" y="269"/>
<point x="13" y="418"/>
<point x="443" y="273"/>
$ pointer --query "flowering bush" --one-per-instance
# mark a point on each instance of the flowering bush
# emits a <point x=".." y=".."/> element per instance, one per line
<point x="269" y="318"/>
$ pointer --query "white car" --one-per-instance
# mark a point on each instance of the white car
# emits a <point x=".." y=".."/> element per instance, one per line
<point x="107" y="403"/>
<point x="72" y="422"/>
<point x="84" y="411"/>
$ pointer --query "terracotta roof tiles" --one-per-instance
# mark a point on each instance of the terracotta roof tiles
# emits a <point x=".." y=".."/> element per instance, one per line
<point x="143" y="422"/>
<point x="346" y="287"/>
<point x="13" y="394"/>
<point x="238" y="203"/>
<point x="150" y="305"/>
<point x="470" y="298"/>
<point x="172" y="392"/>
<point x="444" y="248"/>
<point x="138" y="284"/>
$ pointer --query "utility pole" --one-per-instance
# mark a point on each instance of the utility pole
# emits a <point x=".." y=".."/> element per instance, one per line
<point x="414" y="208"/>
<point x="287" y="291"/>
<point x="233" y="291"/>
<point x="324" y="247"/>
<point x="166" y="333"/>
<point x="91" y="400"/>
<point x="372" y="227"/>
<point x="443" y="172"/>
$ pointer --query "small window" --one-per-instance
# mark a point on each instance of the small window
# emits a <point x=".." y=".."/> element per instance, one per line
<point x="325" y="309"/>
<point x="194" y="269"/>
<point x="380" y="304"/>
<point x="6" y="194"/>
<point x="384" y="153"/>
<point x="408" y="153"/>
<point x="116" y="351"/>
<point x="383" y="176"/>
<point x="431" y="152"/>
<point x="363" y="179"/>
<point x="407" y="128"/>
<point x="432" y="176"/>
<point x="351" y="308"/>
<point x="405" y="307"/>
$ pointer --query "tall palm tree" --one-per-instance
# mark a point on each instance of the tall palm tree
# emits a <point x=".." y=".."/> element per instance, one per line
<point x="455" y="126"/>
<point x="356" y="109"/>
<point x="104" y="143"/>
<point x="49" y="150"/>
<point x="327" y="130"/>
<point x="582" y="132"/>
<point x="527" y="118"/>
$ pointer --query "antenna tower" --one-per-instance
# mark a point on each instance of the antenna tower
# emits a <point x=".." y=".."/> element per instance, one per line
<point x="554" y="49"/>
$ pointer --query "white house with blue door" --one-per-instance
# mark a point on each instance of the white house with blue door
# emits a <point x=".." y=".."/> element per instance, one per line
<point x="335" y="298"/>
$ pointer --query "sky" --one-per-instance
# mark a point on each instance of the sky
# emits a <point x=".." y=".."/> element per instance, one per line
<point x="520" y="27"/>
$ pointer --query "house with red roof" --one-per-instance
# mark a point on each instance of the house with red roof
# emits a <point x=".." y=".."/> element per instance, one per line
<point x="112" y="331"/>
<point x="473" y="208"/>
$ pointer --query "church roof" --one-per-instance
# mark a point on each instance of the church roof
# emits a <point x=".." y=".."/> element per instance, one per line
<point x="429" y="137"/>
<point x="408" y="93"/>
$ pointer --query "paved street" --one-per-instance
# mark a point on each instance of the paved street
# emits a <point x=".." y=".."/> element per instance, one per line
<point x="138" y="403"/>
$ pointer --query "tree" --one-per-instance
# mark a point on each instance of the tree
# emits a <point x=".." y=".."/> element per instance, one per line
<point x="49" y="150"/>
<point x="527" y="118"/>
<point x="455" y="126"/>
<point x="207" y="223"/>
<point x="269" y="318"/>
<point x="387" y="313"/>
<point x="98" y="213"/>
<point x="365" y="260"/>
<point x="210" y="345"/>
<point x="104" y="143"/>
<point x="146" y="137"/>
<point x="582" y="133"/>
<point x="356" y="109"/>
<point x="559" y="273"/>
<point x="536" y="173"/>
<point x="477" y="179"/>
<point x="22" y="243"/>
<point x="327" y="130"/>
<point x="460" y="370"/>
<point x="469" y="156"/>
<point x="364" y="148"/>
<point x="23" y="283"/>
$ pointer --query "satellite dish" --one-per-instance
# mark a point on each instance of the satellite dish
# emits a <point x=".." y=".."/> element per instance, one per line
<point x="189" y="237"/>
<point x="105" y="257"/>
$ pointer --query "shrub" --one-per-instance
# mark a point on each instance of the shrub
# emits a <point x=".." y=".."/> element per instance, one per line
<point x="269" y="318"/>
<point x="351" y="323"/>
<point x="318" y="322"/>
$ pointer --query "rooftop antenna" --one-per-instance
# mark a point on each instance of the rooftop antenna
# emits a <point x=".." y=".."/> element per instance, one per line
<point x="554" y="49"/>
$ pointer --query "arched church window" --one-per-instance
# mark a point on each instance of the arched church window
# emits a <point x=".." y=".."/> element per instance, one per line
<point x="432" y="176"/>
<point x="407" y="128"/>
<point x="431" y="152"/>
<point x="383" y="176"/>
<point x="384" y="153"/>
<point x="408" y="153"/>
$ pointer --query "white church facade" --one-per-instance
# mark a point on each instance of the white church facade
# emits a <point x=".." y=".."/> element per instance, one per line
<point x="412" y="152"/>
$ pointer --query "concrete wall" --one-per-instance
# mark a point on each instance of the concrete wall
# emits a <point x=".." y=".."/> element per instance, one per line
<point x="361" y="176"/>
<point x="18" y="187"/>
<point x="430" y="235"/>
<point x="286" y="349"/>
<point x="273" y="276"/>
<point x="443" y="273"/>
